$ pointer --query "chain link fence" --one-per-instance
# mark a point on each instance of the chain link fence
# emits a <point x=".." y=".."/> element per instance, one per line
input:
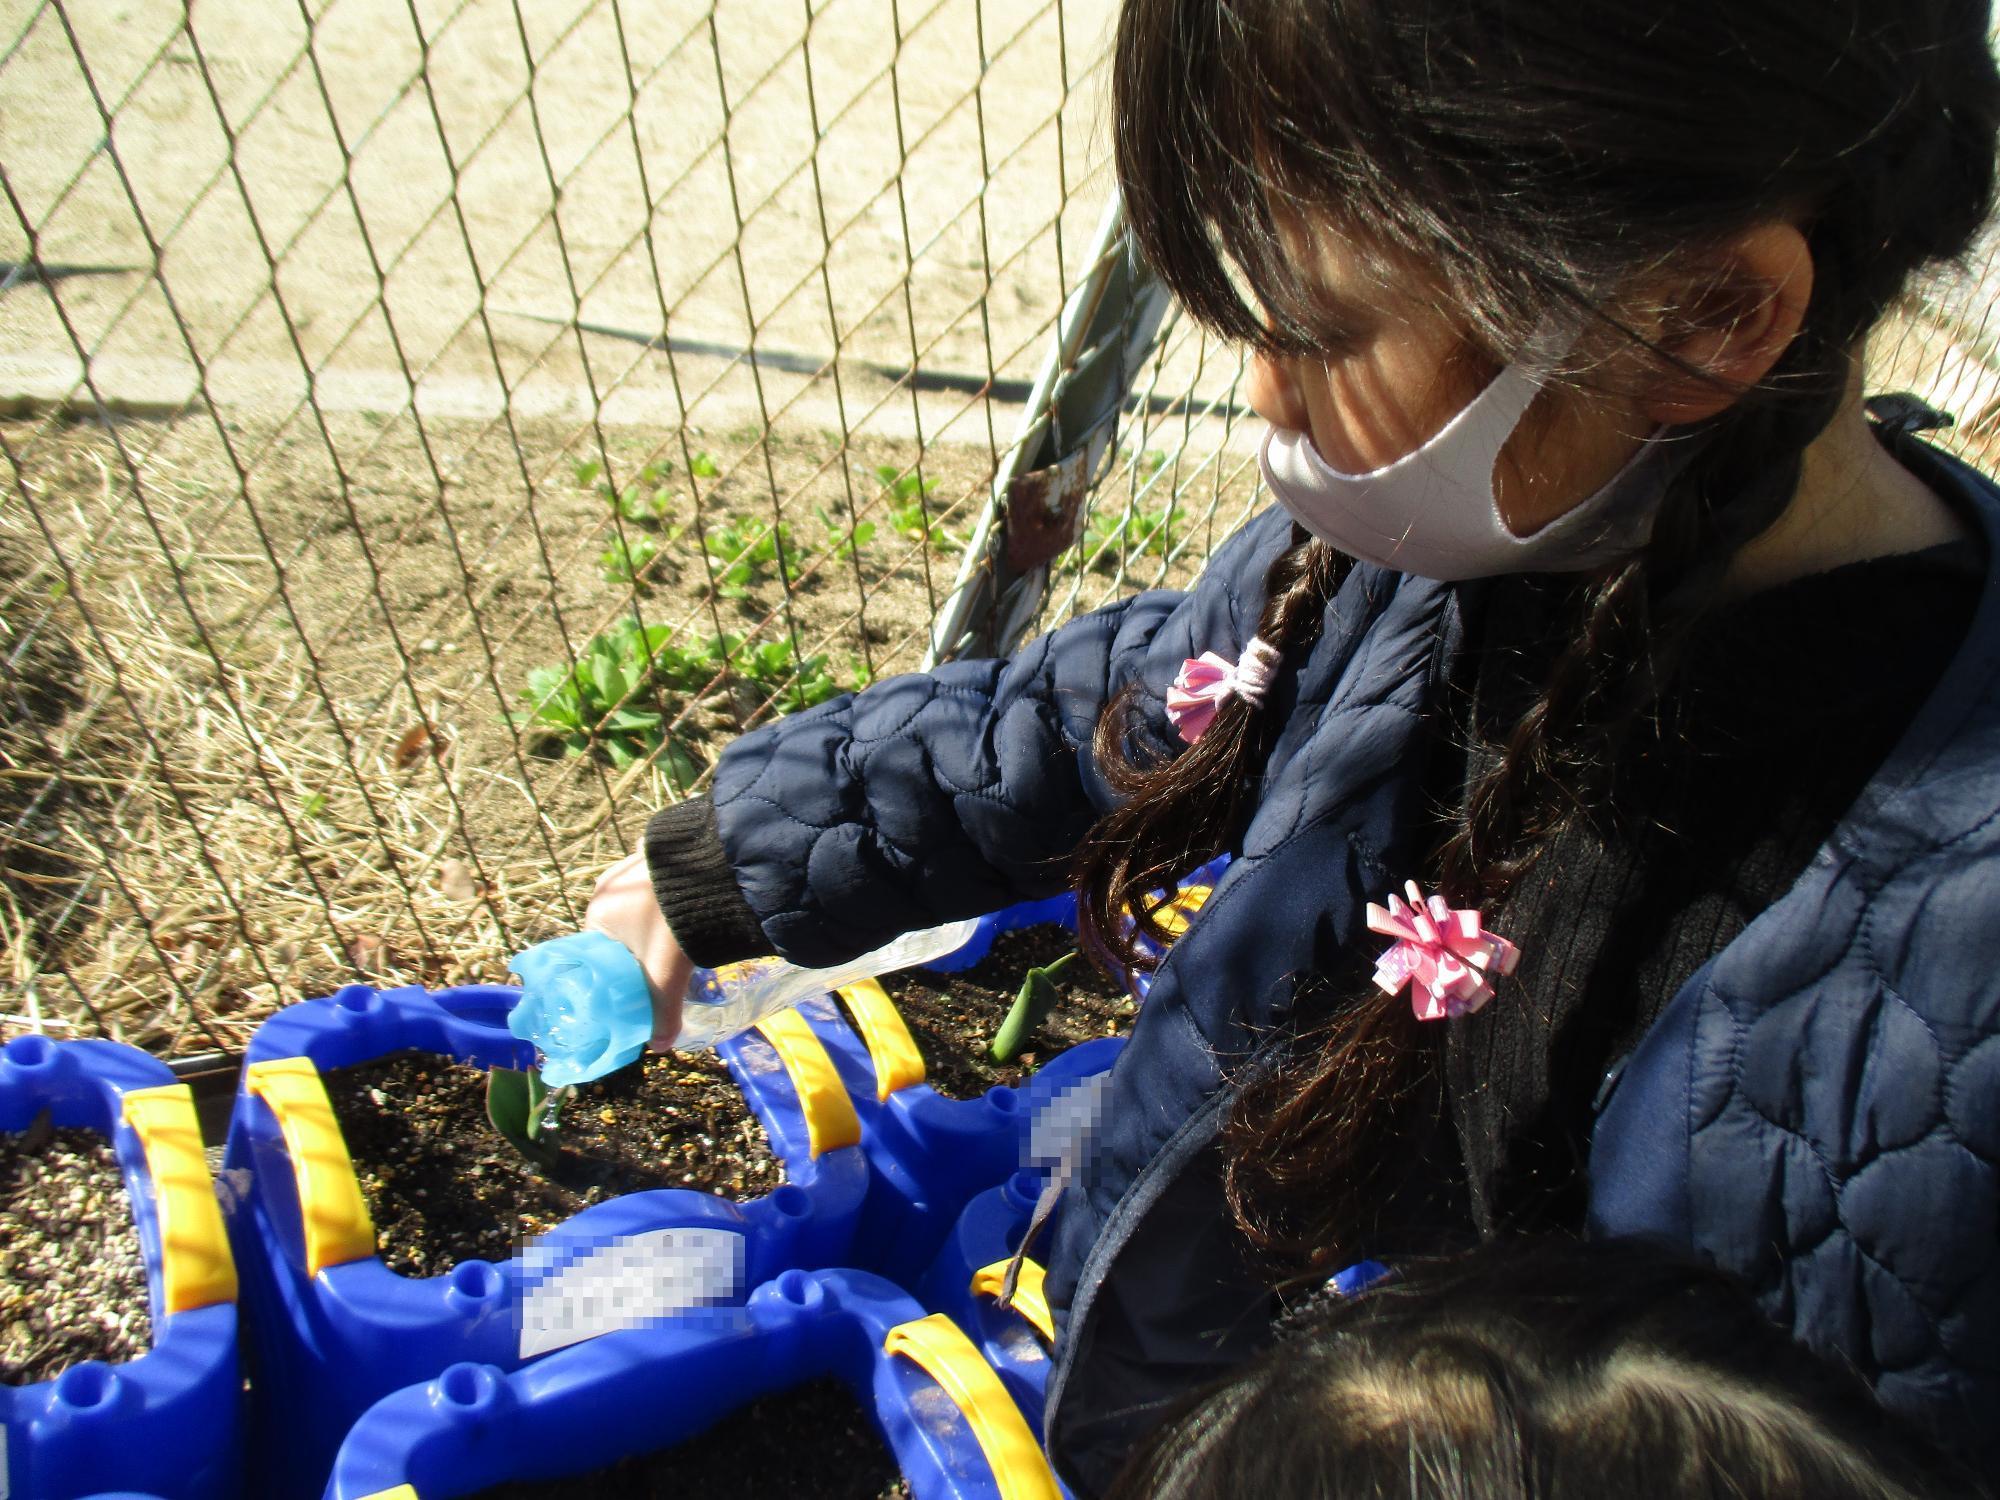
<point x="433" y="428"/>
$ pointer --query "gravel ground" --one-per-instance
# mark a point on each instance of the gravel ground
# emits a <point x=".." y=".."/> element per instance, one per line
<point x="72" y="1281"/>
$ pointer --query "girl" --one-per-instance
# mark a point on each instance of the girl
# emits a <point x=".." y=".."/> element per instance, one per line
<point x="1543" y="1369"/>
<point x="1592" y="604"/>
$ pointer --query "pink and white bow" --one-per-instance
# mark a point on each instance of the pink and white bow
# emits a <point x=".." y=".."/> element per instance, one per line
<point x="1206" y="682"/>
<point x="1442" y="954"/>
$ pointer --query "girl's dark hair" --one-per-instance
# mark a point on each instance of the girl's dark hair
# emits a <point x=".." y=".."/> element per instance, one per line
<point x="1539" y="1369"/>
<point x="1536" y="156"/>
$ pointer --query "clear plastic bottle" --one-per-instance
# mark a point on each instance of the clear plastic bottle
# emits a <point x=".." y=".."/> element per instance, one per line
<point x="585" y="1004"/>
<point x="724" y="1001"/>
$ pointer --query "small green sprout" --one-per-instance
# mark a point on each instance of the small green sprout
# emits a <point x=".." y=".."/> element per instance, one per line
<point x="1037" y="997"/>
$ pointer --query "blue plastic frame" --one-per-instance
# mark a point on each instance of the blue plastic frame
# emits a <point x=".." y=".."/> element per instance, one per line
<point x="328" y="1346"/>
<point x="167" y="1422"/>
<point x="645" y="1389"/>
<point x="987" y="1232"/>
<point x="929" y="1156"/>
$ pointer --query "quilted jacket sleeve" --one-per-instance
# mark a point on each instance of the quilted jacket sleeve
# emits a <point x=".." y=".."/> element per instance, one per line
<point x="939" y="795"/>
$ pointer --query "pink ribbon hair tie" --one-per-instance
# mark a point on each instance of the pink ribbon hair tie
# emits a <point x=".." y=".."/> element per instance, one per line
<point x="1442" y="954"/>
<point x="1206" y="682"/>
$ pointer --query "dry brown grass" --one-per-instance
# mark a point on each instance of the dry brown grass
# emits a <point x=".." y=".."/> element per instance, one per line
<point x="267" y="718"/>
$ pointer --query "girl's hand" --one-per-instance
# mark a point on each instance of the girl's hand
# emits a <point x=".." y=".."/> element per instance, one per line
<point x="622" y="906"/>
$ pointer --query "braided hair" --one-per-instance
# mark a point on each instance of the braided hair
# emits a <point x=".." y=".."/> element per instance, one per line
<point x="1539" y="156"/>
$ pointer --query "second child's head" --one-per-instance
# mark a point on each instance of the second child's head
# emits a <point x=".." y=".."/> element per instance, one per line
<point x="1540" y="1371"/>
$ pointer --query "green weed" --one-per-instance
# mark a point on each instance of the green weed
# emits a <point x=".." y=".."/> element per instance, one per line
<point x="908" y="514"/>
<point x="1111" y="534"/>
<point x="611" y="698"/>
<point x="845" y="544"/>
<point x="744" y="556"/>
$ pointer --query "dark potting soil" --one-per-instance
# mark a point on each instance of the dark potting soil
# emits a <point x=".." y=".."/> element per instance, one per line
<point x="954" y="1017"/>
<point x="812" y="1443"/>
<point x="443" y="1186"/>
<point x="72" y="1277"/>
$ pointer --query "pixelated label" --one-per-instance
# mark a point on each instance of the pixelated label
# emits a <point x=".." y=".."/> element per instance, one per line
<point x="1061" y="1129"/>
<point x="1059" y="1136"/>
<point x="628" y="1281"/>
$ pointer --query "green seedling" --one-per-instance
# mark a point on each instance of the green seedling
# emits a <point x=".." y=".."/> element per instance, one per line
<point x="526" y="1112"/>
<point x="845" y="543"/>
<point x="598" y="700"/>
<point x="610" y="697"/>
<point x="703" y="467"/>
<point x="644" y="502"/>
<point x="1037" y="997"/>
<point x="1109" y="535"/>
<point x="743" y="556"/>
<point x="792" y="684"/>
<point x="626" y="558"/>
<point x="908" y="514"/>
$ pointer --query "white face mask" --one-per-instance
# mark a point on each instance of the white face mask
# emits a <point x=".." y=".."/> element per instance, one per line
<point x="1433" y="513"/>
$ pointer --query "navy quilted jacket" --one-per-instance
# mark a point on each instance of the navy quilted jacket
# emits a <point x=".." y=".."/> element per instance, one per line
<point x="1818" y="1110"/>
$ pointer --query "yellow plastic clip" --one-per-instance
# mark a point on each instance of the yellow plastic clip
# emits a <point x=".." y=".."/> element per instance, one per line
<point x="891" y="1048"/>
<point x="945" y="1354"/>
<point x="194" y="1251"/>
<point x="338" y="1228"/>
<point x="400" y="1492"/>
<point x="1180" y="911"/>
<point x="1030" y="1300"/>
<point x="830" y="1119"/>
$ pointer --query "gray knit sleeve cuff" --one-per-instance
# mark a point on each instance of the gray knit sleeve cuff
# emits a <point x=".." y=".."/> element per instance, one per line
<point x="696" y="886"/>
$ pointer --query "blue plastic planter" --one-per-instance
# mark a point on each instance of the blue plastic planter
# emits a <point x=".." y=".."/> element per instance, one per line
<point x="947" y="1420"/>
<point x="167" y="1422"/>
<point x="929" y="1156"/>
<point x="965" y="1283"/>
<point x="882" y="1173"/>
<point x="335" y="1329"/>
